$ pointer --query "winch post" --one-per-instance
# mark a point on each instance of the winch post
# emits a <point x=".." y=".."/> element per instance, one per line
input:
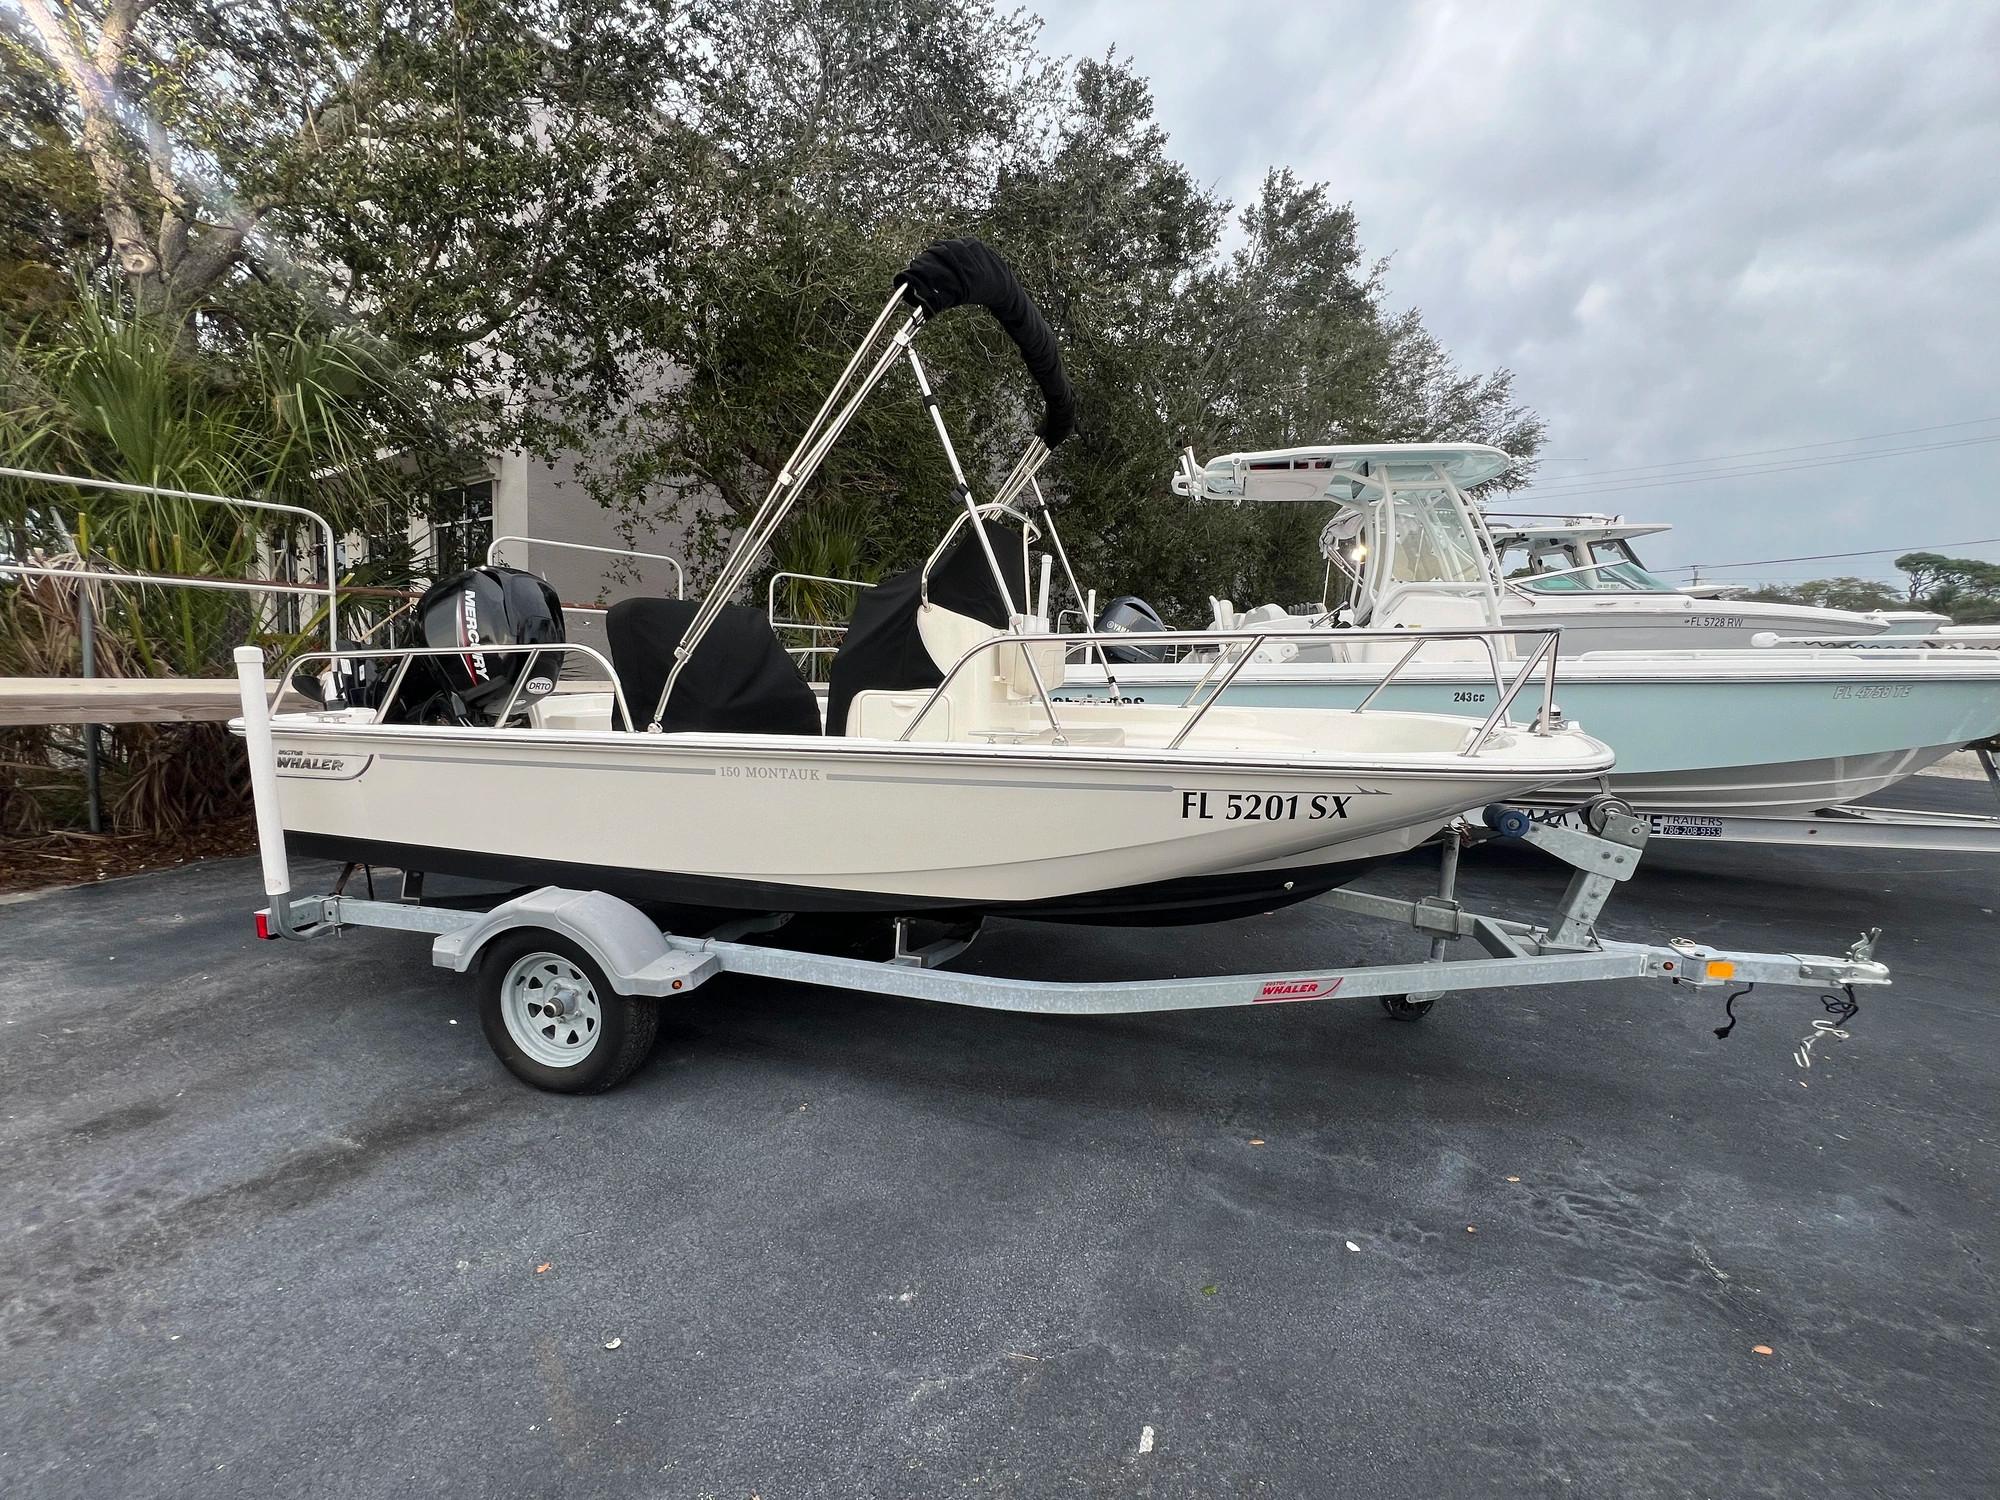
<point x="1600" y="859"/>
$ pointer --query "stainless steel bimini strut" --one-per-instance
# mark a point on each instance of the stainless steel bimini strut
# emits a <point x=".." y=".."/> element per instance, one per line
<point x="952" y="273"/>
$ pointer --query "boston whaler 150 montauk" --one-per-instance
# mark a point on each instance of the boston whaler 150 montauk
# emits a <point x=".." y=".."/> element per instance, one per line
<point x="949" y="781"/>
<point x="981" y="793"/>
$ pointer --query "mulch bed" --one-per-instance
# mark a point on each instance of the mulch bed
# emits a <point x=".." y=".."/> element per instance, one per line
<point x="59" y="859"/>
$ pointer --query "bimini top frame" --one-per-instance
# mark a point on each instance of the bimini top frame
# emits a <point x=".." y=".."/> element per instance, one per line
<point x="951" y="273"/>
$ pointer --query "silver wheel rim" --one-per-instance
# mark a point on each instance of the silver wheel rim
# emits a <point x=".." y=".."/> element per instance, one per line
<point x="550" y="1009"/>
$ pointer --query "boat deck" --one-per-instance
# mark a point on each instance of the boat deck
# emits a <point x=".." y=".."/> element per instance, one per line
<point x="264" y="1213"/>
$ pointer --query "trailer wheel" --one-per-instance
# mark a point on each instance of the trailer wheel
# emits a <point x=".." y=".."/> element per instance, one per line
<point x="552" y="1017"/>
<point x="1403" y="1008"/>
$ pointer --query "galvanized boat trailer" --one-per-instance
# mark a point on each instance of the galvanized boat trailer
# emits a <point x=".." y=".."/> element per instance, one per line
<point x="574" y="977"/>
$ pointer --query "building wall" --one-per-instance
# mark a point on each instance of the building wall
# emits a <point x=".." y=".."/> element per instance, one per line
<point x="536" y="499"/>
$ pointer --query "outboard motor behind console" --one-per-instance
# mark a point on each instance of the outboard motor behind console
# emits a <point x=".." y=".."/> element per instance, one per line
<point x="492" y="606"/>
<point x="1129" y="615"/>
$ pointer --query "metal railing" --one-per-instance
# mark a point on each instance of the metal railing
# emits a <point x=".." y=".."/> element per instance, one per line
<point x="1542" y="656"/>
<point x="329" y="588"/>
<point x="680" y="576"/>
<point x="818" y="628"/>
<point x="406" y="654"/>
<point x="1031" y="532"/>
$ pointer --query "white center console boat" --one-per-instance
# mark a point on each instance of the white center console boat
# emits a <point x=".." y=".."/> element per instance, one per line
<point x="1777" y="733"/>
<point x="1581" y="575"/>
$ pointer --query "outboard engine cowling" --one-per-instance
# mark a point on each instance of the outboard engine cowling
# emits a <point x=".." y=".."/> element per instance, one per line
<point x="492" y="606"/>
<point x="1128" y="615"/>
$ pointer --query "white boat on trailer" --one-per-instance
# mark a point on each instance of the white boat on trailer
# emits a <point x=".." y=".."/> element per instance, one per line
<point x="971" y="791"/>
<point x="979" y="793"/>
<point x="572" y="979"/>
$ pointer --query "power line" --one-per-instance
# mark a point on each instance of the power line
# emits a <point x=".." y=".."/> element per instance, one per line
<point x="1682" y="463"/>
<point x="1591" y="487"/>
<point x="1771" y="562"/>
<point x="1755" y="471"/>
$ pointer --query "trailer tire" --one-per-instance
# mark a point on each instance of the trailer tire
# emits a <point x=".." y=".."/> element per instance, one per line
<point x="1403" y="1008"/>
<point x="553" y="1019"/>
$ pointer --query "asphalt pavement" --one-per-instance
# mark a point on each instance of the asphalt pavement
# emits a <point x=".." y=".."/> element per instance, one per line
<point x="274" y="1222"/>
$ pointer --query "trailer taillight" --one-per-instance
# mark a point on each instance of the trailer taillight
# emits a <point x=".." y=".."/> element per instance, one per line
<point x="264" y="926"/>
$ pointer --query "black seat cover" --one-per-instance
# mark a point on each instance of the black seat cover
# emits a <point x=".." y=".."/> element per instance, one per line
<point x="739" y="680"/>
<point x="882" y="648"/>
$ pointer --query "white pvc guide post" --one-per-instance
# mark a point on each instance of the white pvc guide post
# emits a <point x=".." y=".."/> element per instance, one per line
<point x="263" y="771"/>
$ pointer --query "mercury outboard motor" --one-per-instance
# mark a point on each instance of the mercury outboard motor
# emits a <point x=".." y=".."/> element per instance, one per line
<point x="491" y="606"/>
<point x="1127" y="615"/>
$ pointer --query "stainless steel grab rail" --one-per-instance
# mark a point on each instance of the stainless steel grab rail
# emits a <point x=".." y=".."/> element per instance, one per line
<point x="1542" y="657"/>
<point x="818" y="628"/>
<point x="407" y="654"/>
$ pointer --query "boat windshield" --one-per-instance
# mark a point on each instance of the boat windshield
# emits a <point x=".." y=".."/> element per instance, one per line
<point x="1434" y="543"/>
<point x="1612" y="570"/>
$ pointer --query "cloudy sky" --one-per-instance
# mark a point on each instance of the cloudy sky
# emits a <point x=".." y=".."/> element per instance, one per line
<point x="1694" y="231"/>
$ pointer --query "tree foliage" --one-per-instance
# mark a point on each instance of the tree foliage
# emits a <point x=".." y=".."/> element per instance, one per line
<point x="1171" y="338"/>
<point x="652" y="233"/>
<point x="1835" y="593"/>
<point x="1965" y="588"/>
<point x="301" y="416"/>
<point x="487" y="186"/>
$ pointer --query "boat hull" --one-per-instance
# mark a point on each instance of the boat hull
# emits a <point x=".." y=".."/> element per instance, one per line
<point x="1680" y="624"/>
<point x="1216" y="897"/>
<point x="776" y="823"/>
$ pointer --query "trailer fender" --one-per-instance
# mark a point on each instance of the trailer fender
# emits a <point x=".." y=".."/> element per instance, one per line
<point x="634" y="954"/>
